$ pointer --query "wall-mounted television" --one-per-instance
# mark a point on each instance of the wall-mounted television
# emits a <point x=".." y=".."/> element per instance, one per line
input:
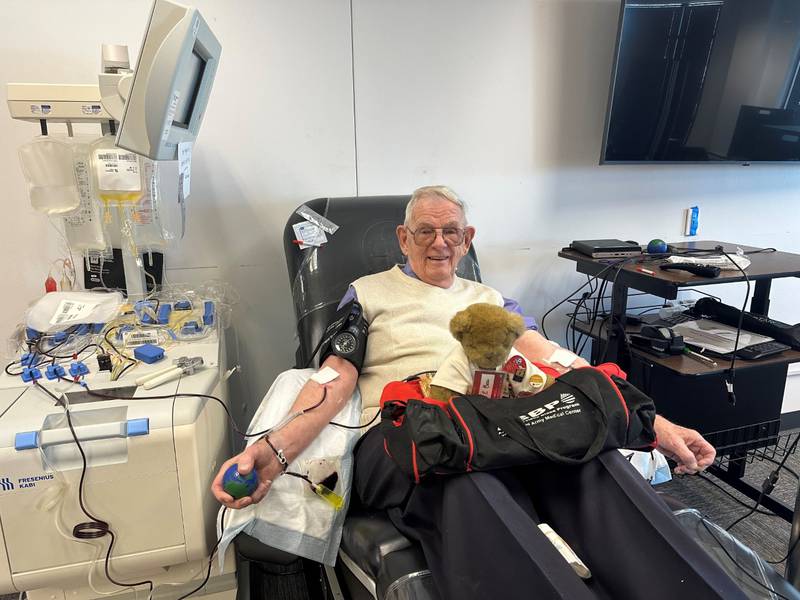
<point x="705" y="81"/>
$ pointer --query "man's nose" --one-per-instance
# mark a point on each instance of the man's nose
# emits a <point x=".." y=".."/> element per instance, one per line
<point x="438" y="239"/>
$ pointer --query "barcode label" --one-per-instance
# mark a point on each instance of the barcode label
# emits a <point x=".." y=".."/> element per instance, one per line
<point x="139" y="338"/>
<point x="69" y="311"/>
<point x="117" y="170"/>
<point x="129" y="156"/>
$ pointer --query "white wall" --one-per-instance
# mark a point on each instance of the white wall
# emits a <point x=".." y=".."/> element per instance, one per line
<point x="504" y="101"/>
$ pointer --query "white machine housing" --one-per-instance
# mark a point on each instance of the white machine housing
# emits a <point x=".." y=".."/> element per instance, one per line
<point x="153" y="489"/>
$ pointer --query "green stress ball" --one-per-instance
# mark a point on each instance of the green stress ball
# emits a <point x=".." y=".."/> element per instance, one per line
<point x="238" y="485"/>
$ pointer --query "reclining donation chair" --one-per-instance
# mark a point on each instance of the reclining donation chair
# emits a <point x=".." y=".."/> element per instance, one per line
<point x="375" y="559"/>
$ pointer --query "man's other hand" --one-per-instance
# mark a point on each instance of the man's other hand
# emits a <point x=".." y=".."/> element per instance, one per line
<point x="257" y="456"/>
<point x="685" y="446"/>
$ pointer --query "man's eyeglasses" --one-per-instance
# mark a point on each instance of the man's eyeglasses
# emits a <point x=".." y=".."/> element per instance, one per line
<point x="424" y="236"/>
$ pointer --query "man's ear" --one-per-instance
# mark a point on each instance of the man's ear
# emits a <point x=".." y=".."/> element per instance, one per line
<point x="402" y="238"/>
<point x="469" y="234"/>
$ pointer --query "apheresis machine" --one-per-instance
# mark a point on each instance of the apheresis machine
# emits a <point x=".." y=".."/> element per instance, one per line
<point x="113" y="408"/>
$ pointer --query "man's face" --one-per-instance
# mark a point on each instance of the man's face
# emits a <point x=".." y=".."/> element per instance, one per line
<point x="435" y="261"/>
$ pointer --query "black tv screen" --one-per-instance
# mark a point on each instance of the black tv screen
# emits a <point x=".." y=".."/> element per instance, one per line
<point x="705" y="81"/>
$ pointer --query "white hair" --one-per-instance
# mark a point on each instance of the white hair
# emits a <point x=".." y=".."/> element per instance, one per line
<point x="440" y="191"/>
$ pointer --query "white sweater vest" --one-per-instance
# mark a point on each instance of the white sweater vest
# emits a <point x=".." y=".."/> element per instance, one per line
<point x="409" y="327"/>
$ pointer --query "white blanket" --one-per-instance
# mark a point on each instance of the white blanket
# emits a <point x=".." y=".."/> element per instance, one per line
<point x="291" y="517"/>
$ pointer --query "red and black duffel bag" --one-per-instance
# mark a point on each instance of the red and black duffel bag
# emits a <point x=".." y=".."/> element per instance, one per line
<point x="585" y="412"/>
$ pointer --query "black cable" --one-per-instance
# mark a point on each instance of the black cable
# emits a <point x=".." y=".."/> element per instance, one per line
<point x="11" y="364"/>
<point x="784" y="467"/>
<point x="704" y="294"/>
<point x="787" y="555"/>
<point x="731" y="371"/>
<point x="113" y="347"/>
<point x="544" y="317"/>
<point x="377" y="414"/>
<point x="192" y="395"/>
<point x="605" y="347"/>
<point x="314" y="353"/>
<point x="94" y="528"/>
<point x="769" y="483"/>
<point x="77" y="353"/>
<point x="736" y="563"/>
<point x="210" y="560"/>
<point x="593" y="316"/>
<point x="122" y="372"/>
<point x="766" y="513"/>
<point x="417" y="375"/>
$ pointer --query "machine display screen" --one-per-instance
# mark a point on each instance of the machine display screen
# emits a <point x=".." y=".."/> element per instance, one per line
<point x="188" y="84"/>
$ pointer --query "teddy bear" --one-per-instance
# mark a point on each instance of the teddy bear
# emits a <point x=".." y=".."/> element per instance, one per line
<point x="486" y="334"/>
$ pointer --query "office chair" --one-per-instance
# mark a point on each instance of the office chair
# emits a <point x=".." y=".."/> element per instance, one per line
<point x="375" y="559"/>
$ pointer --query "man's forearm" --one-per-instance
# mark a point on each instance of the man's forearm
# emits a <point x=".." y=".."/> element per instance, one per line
<point x="299" y="433"/>
<point x="534" y="346"/>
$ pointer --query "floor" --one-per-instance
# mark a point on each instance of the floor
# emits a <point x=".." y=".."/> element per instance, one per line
<point x="766" y="534"/>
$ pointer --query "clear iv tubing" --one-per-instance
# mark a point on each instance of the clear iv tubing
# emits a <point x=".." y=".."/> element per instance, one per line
<point x="292" y="416"/>
<point x="57" y="520"/>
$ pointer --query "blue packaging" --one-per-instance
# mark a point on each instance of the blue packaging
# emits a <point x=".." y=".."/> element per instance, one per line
<point x="694" y="220"/>
<point x="208" y="314"/>
<point x="148" y="353"/>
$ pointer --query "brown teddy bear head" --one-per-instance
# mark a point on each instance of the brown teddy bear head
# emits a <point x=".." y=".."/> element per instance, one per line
<point x="486" y="333"/>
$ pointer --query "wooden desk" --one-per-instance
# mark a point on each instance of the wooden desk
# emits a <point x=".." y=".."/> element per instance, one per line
<point x="687" y="391"/>
<point x="764" y="267"/>
<point x="681" y="363"/>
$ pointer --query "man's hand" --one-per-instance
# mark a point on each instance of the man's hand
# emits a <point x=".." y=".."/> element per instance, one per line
<point x="685" y="446"/>
<point x="320" y="406"/>
<point x="258" y="456"/>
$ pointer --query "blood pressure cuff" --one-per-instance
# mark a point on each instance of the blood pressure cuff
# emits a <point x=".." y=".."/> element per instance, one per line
<point x="346" y="336"/>
<point x="585" y="412"/>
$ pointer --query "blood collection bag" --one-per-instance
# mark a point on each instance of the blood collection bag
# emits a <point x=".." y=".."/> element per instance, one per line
<point x="47" y="163"/>
<point x="83" y="227"/>
<point x="117" y="177"/>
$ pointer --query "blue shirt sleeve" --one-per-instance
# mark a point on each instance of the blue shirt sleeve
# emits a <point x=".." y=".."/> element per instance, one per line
<point x="349" y="296"/>
<point x="514" y="307"/>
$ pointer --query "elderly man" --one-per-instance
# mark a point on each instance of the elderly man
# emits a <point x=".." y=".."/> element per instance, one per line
<point x="478" y="530"/>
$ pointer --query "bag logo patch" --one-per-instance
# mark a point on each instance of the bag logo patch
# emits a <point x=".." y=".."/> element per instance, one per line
<point x="566" y="405"/>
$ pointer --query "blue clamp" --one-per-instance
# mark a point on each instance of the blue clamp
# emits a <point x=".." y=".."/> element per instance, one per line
<point x="78" y="369"/>
<point x="54" y="372"/>
<point x="183" y="305"/>
<point x="31" y="374"/>
<point x="137" y="427"/>
<point x="190" y="328"/>
<point x="31" y="333"/>
<point x="148" y="353"/>
<point x="97" y="327"/>
<point x="208" y="314"/>
<point x="30" y="359"/>
<point x="145" y="317"/>
<point x="59" y="337"/>
<point x="82" y="329"/>
<point x="164" y="311"/>
<point x="26" y="440"/>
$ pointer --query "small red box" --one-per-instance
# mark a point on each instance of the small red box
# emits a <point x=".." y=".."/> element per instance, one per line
<point x="491" y="384"/>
